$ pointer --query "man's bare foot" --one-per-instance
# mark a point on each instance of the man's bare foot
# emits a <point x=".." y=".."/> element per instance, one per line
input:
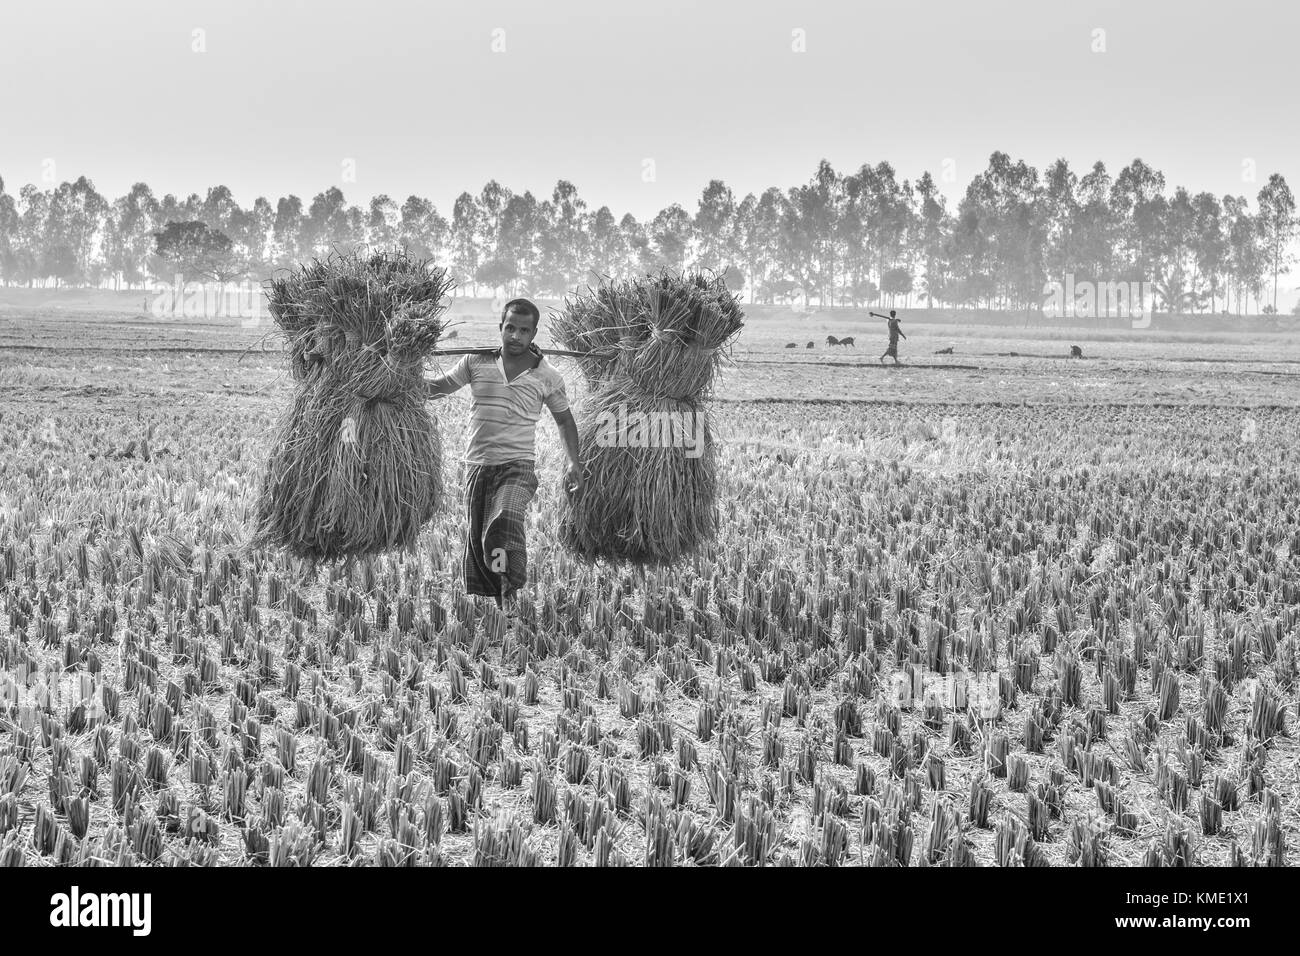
<point x="510" y="605"/>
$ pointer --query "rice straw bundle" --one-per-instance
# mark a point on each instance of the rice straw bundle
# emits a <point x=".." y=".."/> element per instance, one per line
<point x="644" y="438"/>
<point x="358" y="466"/>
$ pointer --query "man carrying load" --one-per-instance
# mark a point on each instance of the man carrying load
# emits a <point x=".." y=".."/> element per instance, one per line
<point x="894" y="333"/>
<point x="508" y="388"/>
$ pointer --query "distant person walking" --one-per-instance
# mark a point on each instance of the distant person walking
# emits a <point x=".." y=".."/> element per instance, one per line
<point x="895" y="333"/>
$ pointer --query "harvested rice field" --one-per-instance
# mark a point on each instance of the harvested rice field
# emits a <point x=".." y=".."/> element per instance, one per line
<point x="983" y="609"/>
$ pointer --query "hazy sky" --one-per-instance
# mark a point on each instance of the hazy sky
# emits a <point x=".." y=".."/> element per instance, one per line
<point x="589" y="90"/>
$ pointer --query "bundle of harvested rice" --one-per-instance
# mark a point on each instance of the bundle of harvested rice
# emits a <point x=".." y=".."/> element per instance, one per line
<point x="358" y="466"/>
<point x="644" y="436"/>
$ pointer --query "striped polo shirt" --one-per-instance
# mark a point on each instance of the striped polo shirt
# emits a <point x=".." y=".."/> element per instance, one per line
<point x="503" y="415"/>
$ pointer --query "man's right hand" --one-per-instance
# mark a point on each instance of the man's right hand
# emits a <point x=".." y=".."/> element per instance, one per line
<point x="574" y="480"/>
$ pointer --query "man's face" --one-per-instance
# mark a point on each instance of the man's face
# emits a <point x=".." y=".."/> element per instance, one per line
<point x="517" y="331"/>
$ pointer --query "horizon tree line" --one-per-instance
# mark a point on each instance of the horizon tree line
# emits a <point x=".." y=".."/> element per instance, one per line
<point x="859" y="238"/>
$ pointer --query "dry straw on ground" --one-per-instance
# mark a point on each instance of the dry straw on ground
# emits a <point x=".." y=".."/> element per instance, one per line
<point x="357" y="467"/>
<point x="667" y="335"/>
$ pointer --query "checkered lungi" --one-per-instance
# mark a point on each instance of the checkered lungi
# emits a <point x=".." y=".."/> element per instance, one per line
<point x="496" y="554"/>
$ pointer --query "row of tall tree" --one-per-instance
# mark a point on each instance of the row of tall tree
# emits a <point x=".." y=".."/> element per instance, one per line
<point x="862" y="237"/>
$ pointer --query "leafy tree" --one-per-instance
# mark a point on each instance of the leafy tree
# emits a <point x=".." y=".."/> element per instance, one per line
<point x="497" y="273"/>
<point x="670" y="233"/>
<point x="327" y="225"/>
<point x="420" y="229"/>
<point x="33" y="237"/>
<point x="1246" y="257"/>
<point x="1138" y="206"/>
<point x="253" y="239"/>
<point x="743" y="234"/>
<point x="1209" y="244"/>
<point x="130" y="239"/>
<point x="825" y="199"/>
<point x="1277" y="226"/>
<point x="733" y="278"/>
<point x="522" y="232"/>
<point x="1095" y="229"/>
<point x="1060" y="208"/>
<point x="383" y="217"/>
<point x="887" y="215"/>
<point x="605" y="241"/>
<point x="780" y="289"/>
<point x="76" y="222"/>
<point x="59" y="262"/>
<point x="287" y="233"/>
<point x="29" y="253"/>
<point x="933" y="222"/>
<point x="561" y="243"/>
<point x="1005" y="226"/>
<point x="492" y="202"/>
<point x="1173" y="290"/>
<point x="768" y="245"/>
<point x="466" y="217"/>
<point x="635" y="244"/>
<point x="863" y="292"/>
<point x="171" y="209"/>
<point x="220" y="211"/>
<point x="1178" y="248"/>
<point x="714" y="222"/>
<point x="895" y="282"/>
<point x="797" y="239"/>
<point x="8" y="235"/>
<point x="196" y="250"/>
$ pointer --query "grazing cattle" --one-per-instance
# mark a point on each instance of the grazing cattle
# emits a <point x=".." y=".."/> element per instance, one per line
<point x="832" y="340"/>
<point x="809" y="345"/>
<point x="792" y="345"/>
<point x="847" y="341"/>
<point x="1076" y="352"/>
<point x="947" y="351"/>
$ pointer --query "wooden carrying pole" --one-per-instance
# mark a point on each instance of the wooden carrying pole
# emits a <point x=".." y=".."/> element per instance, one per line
<point x="490" y="351"/>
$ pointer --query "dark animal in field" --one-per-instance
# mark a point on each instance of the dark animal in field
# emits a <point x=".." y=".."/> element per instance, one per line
<point x="809" y="345"/>
<point x="450" y="335"/>
<point x="847" y="341"/>
<point x="792" y="345"/>
<point x="1076" y="352"/>
<point x="947" y="351"/>
<point x="832" y="340"/>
